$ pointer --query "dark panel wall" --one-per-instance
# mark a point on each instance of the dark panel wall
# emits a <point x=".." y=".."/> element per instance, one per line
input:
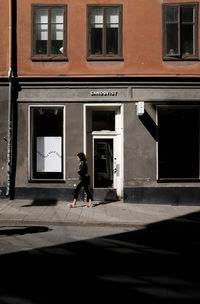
<point x="22" y="146"/>
<point x="139" y="146"/>
<point x="3" y="134"/>
<point x="74" y="140"/>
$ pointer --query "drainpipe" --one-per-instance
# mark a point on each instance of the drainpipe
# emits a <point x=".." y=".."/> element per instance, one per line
<point x="9" y="145"/>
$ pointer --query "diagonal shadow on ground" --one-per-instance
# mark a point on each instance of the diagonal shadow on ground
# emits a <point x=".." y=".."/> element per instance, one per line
<point x="158" y="264"/>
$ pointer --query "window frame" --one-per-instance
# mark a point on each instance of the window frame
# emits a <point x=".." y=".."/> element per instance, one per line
<point x="105" y="57"/>
<point x="48" y="56"/>
<point x="31" y="165"/>
<point x="179" y="56"/>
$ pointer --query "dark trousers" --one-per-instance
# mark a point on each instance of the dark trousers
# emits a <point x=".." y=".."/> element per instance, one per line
<point x="83" y="183"/>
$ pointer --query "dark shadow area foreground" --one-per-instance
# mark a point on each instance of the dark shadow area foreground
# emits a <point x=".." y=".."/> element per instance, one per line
<point x="158" y="264"/>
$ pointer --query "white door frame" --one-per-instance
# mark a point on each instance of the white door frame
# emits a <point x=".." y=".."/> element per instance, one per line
<point x="106" y="134"/>
<point x="116" y="164"/>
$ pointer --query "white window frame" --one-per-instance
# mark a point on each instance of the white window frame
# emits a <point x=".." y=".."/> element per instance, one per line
<point x="30" y="178"/>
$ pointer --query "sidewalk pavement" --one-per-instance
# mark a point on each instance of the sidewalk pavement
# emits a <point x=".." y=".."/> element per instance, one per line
<point x="103" y="213"/>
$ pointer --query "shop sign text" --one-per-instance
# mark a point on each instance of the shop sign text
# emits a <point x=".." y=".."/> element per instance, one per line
<point x="104" y="93"/>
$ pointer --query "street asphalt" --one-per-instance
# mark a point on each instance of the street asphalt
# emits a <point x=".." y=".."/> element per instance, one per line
<point x="103" y="213"/>
<point x="154" y="258"/>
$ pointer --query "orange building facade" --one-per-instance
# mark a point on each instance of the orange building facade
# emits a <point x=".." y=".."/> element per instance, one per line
<point x="118" y="80"/>
<point x="142" y="43"/>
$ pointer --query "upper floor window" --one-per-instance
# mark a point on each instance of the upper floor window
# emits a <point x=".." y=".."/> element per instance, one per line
<point x="49" y="32"/>
<point x="180" y="31"/>
<point x="104" y="32"/>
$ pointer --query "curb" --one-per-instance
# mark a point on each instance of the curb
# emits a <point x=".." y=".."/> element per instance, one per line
<point x="72" y="223"/>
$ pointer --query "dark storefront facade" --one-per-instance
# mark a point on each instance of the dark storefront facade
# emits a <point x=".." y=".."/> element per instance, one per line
<point x="149" y="155"/>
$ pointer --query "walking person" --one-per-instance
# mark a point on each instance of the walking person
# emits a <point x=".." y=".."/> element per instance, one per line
<point x="83" y="176"/>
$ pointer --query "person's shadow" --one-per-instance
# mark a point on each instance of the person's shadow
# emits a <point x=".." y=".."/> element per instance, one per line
<point x="42" y="202"/>
<point x="22" y="230"/>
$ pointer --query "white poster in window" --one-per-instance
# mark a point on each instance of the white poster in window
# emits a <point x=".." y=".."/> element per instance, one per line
<point x="49" y="154"/>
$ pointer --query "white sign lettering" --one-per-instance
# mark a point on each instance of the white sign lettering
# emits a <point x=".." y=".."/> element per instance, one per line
<point x="103" y="93"/>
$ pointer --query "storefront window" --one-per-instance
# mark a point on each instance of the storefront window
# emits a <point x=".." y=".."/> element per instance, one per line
<point x="178" y="143"/>
<point x="46" y="143"/>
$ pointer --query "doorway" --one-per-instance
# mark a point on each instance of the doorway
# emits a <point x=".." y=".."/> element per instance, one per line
<point x="103" y="133"/>
<point x="103" y="162"/>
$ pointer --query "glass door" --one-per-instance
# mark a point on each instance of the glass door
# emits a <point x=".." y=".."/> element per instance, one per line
<point x="103" y="163"/>
<point x="106" y="162"/>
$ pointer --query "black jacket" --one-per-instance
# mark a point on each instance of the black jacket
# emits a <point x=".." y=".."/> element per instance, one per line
<point x="83" y="170"/>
